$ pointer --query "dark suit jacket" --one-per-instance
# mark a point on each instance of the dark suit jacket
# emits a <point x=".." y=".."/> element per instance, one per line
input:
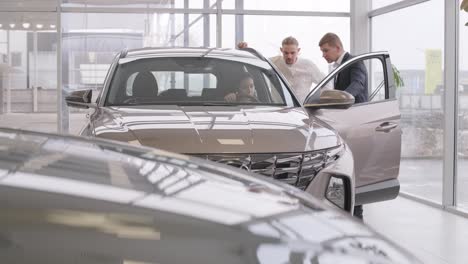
<point x="353" y="80"/>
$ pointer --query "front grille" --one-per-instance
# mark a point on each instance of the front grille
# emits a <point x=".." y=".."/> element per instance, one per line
<point x="297" y="169"/>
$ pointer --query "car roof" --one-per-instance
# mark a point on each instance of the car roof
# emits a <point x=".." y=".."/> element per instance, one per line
<point x="187" y="52"/>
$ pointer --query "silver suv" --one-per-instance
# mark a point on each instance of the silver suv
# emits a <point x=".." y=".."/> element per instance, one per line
<point x="234" y="107"/>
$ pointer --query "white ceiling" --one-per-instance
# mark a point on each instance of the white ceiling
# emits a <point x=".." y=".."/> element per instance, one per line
<point x="42" y="5"/>
<point x="28" y="14"/>
<point x="31" y="5"/>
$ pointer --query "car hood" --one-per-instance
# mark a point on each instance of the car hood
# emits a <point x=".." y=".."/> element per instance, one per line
<point x="212" y="129"/>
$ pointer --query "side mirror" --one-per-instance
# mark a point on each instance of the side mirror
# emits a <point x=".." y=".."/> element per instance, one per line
<point x="80" y="99"/>
<point x="331" y="99"/>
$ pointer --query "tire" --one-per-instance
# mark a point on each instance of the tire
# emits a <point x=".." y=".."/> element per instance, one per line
<point x="359" y="212"/>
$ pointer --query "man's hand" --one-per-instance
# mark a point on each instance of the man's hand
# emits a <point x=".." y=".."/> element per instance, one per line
<point x="231" y="98"/>
<point x="242" y="45"/>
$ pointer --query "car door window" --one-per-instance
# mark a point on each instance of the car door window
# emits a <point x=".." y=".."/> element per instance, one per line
<point x="376" y="80"/>
<point x="366" y="79"/>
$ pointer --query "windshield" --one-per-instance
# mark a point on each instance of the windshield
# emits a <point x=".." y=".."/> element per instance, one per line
<point x="195" y="81"/>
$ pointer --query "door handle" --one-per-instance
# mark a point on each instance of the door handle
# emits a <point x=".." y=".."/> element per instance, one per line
<point x="386" y="127"/>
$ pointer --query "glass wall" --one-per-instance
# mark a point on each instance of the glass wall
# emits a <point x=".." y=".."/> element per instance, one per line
<point x="462" y="180"/>
<point x="419" y="58"/>
<point x="28" y="70"/>
<point x="91" y="37"/>
<point x="91" y="40"/>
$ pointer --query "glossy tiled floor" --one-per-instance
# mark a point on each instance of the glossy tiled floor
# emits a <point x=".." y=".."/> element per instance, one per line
<point x="433" y="235"/>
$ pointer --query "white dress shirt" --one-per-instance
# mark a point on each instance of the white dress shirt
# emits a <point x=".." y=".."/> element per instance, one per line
<point x="301" y="75"/>
<point x="340" y="59"/>
<point x="332" y="66"/>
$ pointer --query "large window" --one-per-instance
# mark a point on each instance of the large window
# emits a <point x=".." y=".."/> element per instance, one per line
<point x="88" y="34"/>
<point x="91" y="37"/>
<point x="416" y="47"/>
<point x="28" y="70"/>
<point x="91" y="40"/>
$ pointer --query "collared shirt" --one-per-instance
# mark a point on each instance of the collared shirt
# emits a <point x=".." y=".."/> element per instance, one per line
<point x="301" y="75"/>
<point x="336" y="64"/>
<point x="340" y="59"/>
<point x="332" y="66"/>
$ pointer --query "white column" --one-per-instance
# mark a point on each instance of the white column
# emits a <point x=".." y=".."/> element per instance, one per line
<point x="360" y="27"/>
<point x="450" y="103"/>
<point x="239" y="22"/>
<point x="63" y="121"/>
<point x="8" y="91"/>
<point x="219" y="24"/>
<point x="34" y="88"/>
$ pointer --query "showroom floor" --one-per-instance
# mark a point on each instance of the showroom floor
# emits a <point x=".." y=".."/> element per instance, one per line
<point x="433" y="235"/>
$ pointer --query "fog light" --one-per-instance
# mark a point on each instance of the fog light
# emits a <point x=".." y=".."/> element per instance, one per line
<point x="338" y="192"/>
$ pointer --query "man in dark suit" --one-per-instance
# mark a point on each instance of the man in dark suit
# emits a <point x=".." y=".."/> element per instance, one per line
<point x="354" y="78"/>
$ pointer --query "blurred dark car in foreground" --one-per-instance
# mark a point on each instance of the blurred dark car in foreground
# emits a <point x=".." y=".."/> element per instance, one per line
<point x="75" y="200"/>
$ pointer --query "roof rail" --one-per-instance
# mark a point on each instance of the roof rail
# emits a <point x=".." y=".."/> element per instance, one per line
<point x="123" y="53"/>
<point x="206" y="53"/>
<point x="255" y="53"/>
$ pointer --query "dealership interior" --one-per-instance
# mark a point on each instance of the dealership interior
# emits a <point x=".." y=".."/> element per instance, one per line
<point x="49" y="48"/>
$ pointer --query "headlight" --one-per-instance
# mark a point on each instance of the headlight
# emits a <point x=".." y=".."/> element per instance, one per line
<point x="337" y="192"/>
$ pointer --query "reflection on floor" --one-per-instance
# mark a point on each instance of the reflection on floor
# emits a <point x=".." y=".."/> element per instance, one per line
<point x="433" y="235"/>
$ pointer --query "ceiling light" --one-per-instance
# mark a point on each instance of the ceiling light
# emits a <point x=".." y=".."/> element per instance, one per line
<point x="26" y="25"/>
<point x="52" y="26"/>
<point x="39" y="26"/>
<point x="1" y="25"/>
<point x="12" y="25"/>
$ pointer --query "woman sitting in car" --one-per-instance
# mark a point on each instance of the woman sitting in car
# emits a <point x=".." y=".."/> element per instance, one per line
<point x="245" y="93"/>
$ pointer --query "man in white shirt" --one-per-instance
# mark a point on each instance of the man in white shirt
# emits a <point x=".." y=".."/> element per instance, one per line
<point x="299" y="72"/>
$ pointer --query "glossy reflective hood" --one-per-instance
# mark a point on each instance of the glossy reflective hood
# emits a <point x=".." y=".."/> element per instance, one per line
<point x="76" y="200"/>
<point x="212" y="129"/>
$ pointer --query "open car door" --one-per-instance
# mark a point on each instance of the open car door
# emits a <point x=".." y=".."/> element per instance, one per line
<point x="371" y="129"/>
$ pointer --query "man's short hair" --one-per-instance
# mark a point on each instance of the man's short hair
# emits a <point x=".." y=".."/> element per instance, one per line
<point x="331" y="39"/>
<point x="290" y="41"/>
